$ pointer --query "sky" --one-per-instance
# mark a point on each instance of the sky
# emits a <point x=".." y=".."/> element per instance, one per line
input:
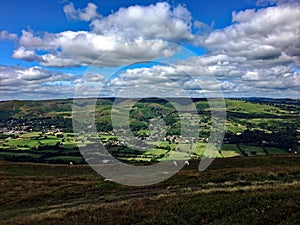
<point x="63" y="49"/>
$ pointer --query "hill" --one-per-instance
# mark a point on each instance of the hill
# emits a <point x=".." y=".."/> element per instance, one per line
<point x="37" y="140"/>
<point x="254" y="190"/>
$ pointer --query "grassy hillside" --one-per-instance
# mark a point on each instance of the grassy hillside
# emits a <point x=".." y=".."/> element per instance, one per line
<point x="250" y="107"/>
<point x="256" y="190"/>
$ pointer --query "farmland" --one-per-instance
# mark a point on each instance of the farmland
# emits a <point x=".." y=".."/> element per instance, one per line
<point x="41" y="131"/>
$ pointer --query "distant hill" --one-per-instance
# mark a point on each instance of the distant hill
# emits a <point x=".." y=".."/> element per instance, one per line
<point x="48" y="108"/>
<point x="259" y="113"/>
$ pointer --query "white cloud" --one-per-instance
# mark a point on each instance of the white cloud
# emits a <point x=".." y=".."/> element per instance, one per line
<point x="5" y="35"/>
<point x="258" y="53"/>
<point x="57" y="60"/>
<point x="33" y="73"/>
<point x="33" y="83"/>
<point x="70" y="11"/>
<point x="22" y="53"/>
<point x="133" y="34"/>
<point x="250" y="76"/>
<point x="94" y="77"/>
<point x="159" y="21"/>
<point x="271" y="35"/>
<point x="163" y="81"/>
<point x="86" y="14"/>
<point x="27" y="39"/>
<point x="84" y="48"/>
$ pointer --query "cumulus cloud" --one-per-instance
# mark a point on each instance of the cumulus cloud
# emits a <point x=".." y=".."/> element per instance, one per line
<point x="25" y="54"/>
<point x="163" y="81"/>
<point x="270" y="35"/>
<point x="242" y="77"/>
<point x="86" y="14"/>
<point x="133" y="34"/>
<point x="33" y="83"/>
<point x="33" y="73"/>
<point x="71" y="48"/>
<point x="159" y="21"/>
<point x="257" y="54"/>
<point x="27" y="39"/>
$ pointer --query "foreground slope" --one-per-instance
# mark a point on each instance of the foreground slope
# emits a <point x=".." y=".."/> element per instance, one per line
<point x="255" y="190"/>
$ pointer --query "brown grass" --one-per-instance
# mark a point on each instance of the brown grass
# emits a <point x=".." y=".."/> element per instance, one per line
<point x="59" y="194"/>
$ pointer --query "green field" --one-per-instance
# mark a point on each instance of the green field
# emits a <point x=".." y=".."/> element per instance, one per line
<point x="258" y="126"/>
<point x="35" y="145"/>
<point x="155" y="152"/>
<point x="253" y="150"/>
<point x="229" y="150"/>
<point x="273" y="150"/>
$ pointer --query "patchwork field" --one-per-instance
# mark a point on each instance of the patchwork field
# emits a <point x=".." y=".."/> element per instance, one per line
<point x="38" y="147"/>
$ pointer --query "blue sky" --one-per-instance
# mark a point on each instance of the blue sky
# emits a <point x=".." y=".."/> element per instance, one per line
<point x="232" y="48"/>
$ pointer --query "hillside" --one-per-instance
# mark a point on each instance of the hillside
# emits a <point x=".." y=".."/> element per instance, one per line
<point x="254" y="190"/>
<point x="37" y="141"/>
<point x="263" y="114"/>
